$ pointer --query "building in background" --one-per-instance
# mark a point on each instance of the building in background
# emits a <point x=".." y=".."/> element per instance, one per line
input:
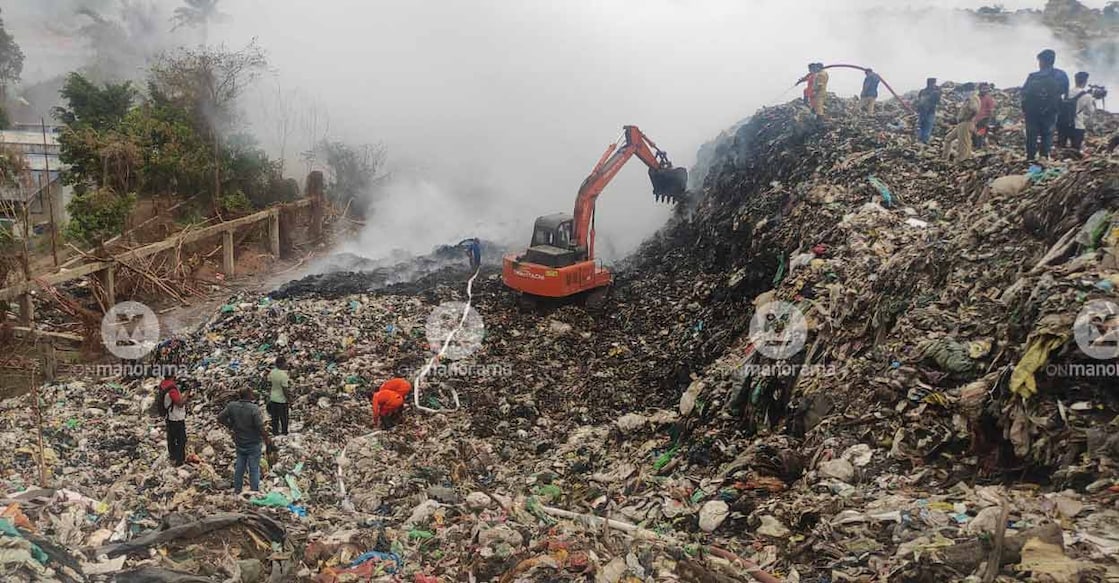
<point x="40" y="187"/>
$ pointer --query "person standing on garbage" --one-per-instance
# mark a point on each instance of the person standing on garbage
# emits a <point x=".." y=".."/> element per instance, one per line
<point x="927" y="101"/>
<point x="1077" y="109"/>
<point x="869" y="94"/>
<point x="961" y="135"/>
<point x="985" y="116"/>
<point x="815" y="88"/>
<point x="473" y="249"/>
<point x="279" y="400"/>
<point x="243" y="418"/>
<point x="388" y="402"/>
<point x="809" y="81"/>
<point x="820" y="90"/>
<point x="174" y="403"/>
<point x="1041" y="99"/>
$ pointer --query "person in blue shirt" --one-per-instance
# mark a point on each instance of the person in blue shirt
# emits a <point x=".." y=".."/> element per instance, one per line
<point x="1042" y="94"/>
<point x="869" y="93"/>
<point x="927" y="101"/>
<point x="473" y="249"/>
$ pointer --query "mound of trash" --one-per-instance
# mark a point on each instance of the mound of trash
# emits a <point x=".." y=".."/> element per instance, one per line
<point x="851" y="360"/>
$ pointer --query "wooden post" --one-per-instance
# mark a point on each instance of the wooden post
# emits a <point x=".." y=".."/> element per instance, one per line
<point x="50" y="199"/>
<point x="50" y="361"/>
<point x="227" y="253"/>
<point x="315" y="193"/>
<point x="108" y="280"/>
<point x="274" y="233"/>
<point x="26" y="310"/>
<point x="39" y="423"/>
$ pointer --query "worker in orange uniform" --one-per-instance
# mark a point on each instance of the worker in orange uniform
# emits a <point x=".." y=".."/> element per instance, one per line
<point x="388" y="402"/>
<point x="809" y="81"/>
<point x="815" y="88"/>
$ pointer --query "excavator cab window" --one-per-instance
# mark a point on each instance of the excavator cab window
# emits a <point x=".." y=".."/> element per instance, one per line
<point x="558" y="236"/>
<point x="563" y="235"/>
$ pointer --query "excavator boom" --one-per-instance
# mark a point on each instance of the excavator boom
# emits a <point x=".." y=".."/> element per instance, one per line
<point x="668" y="183"/>
<point x="560" y="259"/>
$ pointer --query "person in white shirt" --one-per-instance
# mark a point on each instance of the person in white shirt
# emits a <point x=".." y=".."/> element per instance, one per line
<point x="1085" y="107"/>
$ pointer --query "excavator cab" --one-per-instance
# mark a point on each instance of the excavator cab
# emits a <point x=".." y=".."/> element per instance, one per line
<point x="553" y="243"/>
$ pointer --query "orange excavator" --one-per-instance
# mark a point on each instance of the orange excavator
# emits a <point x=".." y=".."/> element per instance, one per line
<point x="560" y="261"/>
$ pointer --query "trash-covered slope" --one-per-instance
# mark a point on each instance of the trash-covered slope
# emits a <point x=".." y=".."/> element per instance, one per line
<point x="891" y="460"/>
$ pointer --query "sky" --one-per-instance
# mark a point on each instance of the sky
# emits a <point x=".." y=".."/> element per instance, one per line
<point x="493" y="112"/>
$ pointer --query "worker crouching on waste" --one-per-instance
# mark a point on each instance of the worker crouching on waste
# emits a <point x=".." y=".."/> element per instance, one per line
<point x="388" y="402"/>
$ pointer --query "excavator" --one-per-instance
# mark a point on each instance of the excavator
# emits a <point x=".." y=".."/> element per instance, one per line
<point x="560" y="262"/>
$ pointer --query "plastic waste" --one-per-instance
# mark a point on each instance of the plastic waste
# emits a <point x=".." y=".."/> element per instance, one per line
<point x="275" y="499"/>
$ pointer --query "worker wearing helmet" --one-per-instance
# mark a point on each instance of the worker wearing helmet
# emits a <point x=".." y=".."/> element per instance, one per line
<point x="388" y="402"/>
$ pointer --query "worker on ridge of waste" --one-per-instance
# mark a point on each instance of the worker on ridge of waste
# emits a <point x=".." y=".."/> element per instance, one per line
<point x="927" y="101"/>
<point x="986" y="116"/>
<point x="388" y="402"/>
<point x="174" y="403"/>
<point x="960" y="136"/>
<point x="1077" y="110"/>
<point x="815" y="88"/>
<point x="243" y="418"/>
<point x="809" y="81"/>
<point x="279" y="399"/>
<point x="473" y="249"/>
<point x="820" y="90"/>
<point x="869" y="94"/>
<point x="1041" y="99"/>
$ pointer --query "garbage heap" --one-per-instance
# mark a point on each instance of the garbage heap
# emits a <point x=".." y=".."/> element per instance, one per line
<point x="926" y="431"/>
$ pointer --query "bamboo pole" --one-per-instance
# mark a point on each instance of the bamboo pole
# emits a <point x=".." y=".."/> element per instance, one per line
<point x="39" y="426"/>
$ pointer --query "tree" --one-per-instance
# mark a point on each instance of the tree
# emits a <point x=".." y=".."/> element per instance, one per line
<point x="122" y="43"/>
<point x="207" y="83"/>
<point x="197" y="14"/>
<point x="11" y="60"/>
<point x="99" y="108"/>
<point x="98" y="215"/>
<point x="353" y="170"/>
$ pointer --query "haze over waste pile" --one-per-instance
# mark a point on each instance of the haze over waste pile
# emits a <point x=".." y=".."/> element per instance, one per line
<point x="921" y="425"/>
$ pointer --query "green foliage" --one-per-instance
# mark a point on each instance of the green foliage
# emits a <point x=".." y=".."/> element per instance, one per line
<point x="11" y="57"/>
<point x="12" y="165"/>
<point x="206" y="83"/>
<point x="98" y="215"/>
<point x="352" y="172"/>
<point x="100" y="108"/>
<point x="235" y="202"/>
<point x="5" y="122"/>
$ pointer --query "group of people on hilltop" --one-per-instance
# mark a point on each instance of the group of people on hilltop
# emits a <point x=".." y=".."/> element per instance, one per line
<point x="251" y="436"/>
<point x="1049" y="106"/>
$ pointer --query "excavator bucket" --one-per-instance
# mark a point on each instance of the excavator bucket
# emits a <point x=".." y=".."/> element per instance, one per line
<point x="669" y="184"/>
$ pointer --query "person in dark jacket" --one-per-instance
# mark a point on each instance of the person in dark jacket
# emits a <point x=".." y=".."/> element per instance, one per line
<point x="927" y="101"/>
<point x="243" y="418"/>
<point x="869" y="93"/>
<point x="1042" y="94"/>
